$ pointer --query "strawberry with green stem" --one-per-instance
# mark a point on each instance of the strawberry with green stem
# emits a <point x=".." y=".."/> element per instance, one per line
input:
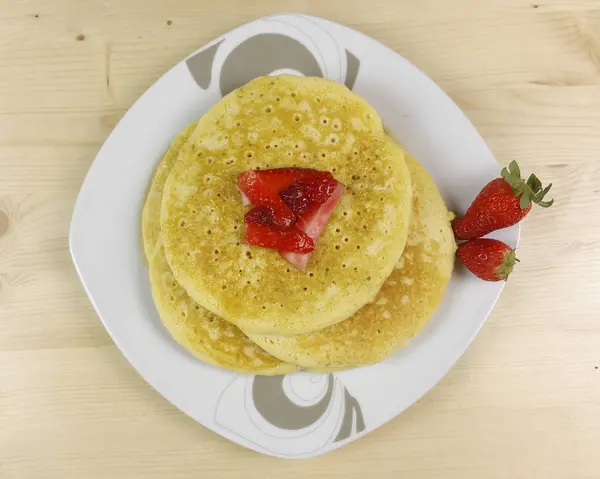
<point x="503" y="202"/>
<point x="488" y="259"/>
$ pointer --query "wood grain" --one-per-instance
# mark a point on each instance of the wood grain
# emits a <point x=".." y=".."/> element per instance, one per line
<point x="523" y="402"/>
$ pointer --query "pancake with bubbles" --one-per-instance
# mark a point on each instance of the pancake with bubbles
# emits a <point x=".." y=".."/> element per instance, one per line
<point x="404" y="305"/>
<point x="275" y="122"/>
<point x="205" y="335"/>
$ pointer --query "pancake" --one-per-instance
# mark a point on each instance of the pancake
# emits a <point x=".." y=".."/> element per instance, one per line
<point x="208" y="337"/>
<point x="406" y="302"/>
<point x="280" y="122"/>
<point x="151" y="211"/>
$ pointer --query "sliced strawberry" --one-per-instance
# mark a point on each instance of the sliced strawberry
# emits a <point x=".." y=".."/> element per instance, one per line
<point x="281" y="239"/>
<point x="307" y="194"/>
<point x="260" y="215"/>
<point x="259" y="192"/>
<point x="280" y="178"/>
<point x="292" y="206"/>
<point x="313" y="224"/>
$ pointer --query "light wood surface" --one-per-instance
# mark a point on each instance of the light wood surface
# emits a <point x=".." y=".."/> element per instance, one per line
<point x="523" y="402"/>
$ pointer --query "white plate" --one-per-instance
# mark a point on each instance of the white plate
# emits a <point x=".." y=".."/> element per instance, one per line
<point x="302" y="414"/>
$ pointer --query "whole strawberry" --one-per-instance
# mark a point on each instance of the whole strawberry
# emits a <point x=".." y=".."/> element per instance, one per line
<point x="503" y="202"/>
<point x="488" y="259"/>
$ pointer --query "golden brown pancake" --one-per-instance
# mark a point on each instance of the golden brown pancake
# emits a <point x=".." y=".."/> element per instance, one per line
<point x="403" y="306"/>
<point x="151" y="210"/>
<point x="208" y="337"/>
<point x="281" y="122"/>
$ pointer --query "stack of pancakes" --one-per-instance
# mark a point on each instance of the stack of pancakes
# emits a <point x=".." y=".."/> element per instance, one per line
<point x="379" y="269"/>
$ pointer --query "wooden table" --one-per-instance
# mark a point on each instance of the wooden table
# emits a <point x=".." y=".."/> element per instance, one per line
<point x="523" y="402"/>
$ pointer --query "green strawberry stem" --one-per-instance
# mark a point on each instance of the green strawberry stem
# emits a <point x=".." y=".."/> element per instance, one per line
<point x="528" y="191"/>
<point x="506" y="267"/>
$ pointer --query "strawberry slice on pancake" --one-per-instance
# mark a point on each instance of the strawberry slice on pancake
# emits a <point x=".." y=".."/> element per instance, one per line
<point x="292" y="207"/>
